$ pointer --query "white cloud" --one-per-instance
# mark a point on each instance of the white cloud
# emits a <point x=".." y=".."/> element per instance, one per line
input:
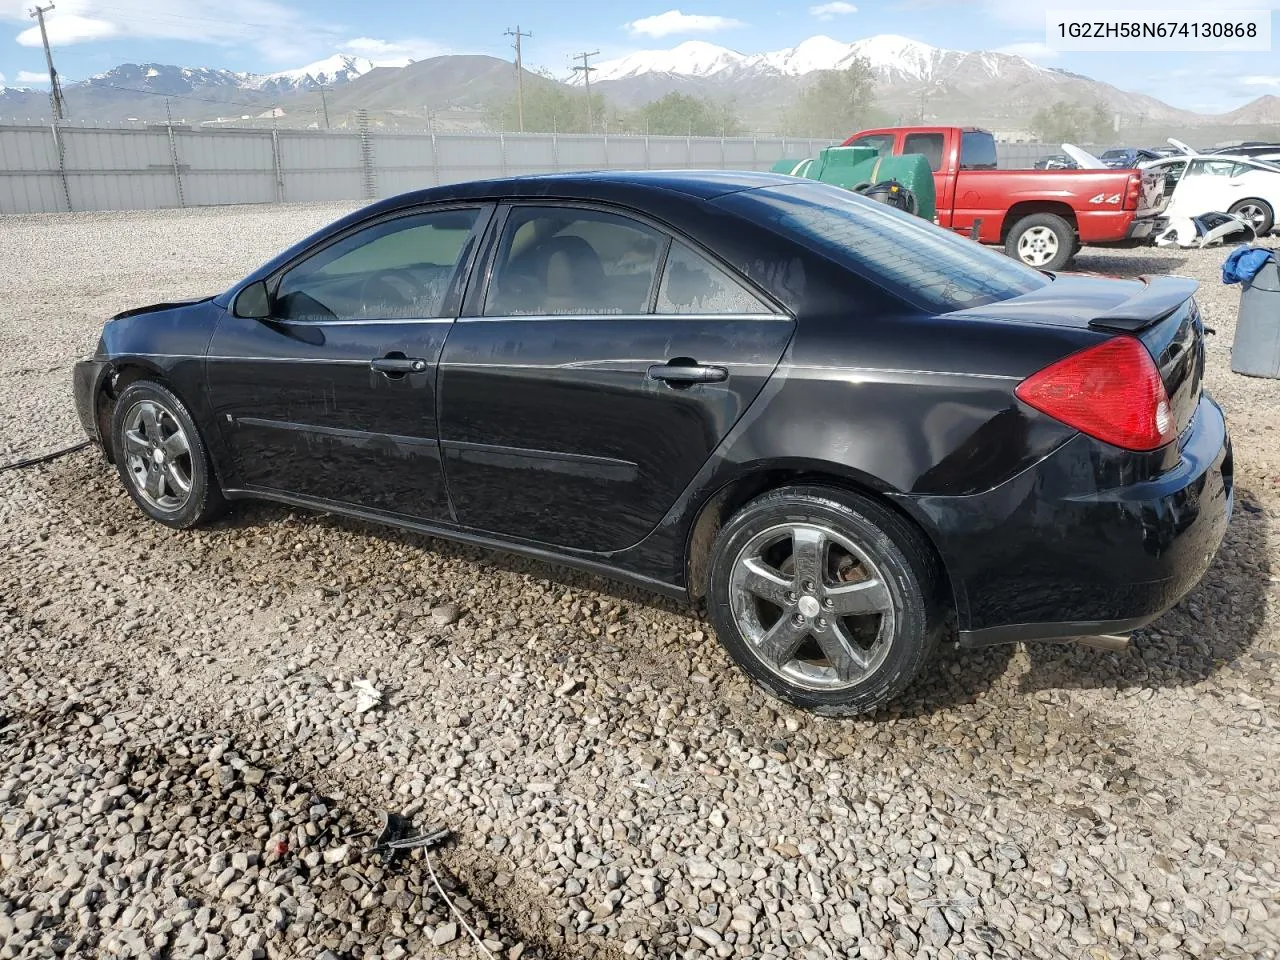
<point x="1031" y="13"/>
<point x="31" y="76"/>
<point x="673" y="22"/>
<point x="393" y="51"/>
<point x="277" y="31"/>
<point x="828" y="11"/>
<point x="1032" y="49"/>
<point x="1260" y="81"/>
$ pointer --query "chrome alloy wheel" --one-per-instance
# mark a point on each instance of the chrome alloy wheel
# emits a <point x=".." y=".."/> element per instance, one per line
<point x="1254" y="214"/>
<point x="158" y="455"/>
<point x="812" y="605"/>
<point x="1037" y="246"/>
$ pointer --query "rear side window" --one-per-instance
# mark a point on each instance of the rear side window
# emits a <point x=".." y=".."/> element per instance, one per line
<point x="565" y="260"/>
<point x="692" y="284"/>
<point x="919" y="261"/>
<point x="977" y="150"/>
<point x="927" y="144"/>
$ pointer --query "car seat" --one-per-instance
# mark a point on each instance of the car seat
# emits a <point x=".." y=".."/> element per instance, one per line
<point x="574" y="274"/>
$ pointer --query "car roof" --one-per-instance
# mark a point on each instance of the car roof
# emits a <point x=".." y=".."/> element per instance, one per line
<point x="597" y="184"/>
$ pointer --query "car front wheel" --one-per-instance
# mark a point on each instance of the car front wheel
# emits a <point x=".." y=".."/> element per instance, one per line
<point x="824" y="598"/>
<point x="162" y="458"/>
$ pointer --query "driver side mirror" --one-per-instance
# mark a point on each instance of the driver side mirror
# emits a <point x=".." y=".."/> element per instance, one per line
<point x="253" y="302"/>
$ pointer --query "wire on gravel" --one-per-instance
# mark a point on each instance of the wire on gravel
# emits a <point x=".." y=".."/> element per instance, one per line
<point x="45" y="457"/>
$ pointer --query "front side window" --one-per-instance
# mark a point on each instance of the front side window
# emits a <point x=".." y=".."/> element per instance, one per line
<point x="882" y="143"/>
<point x="928" y="144"/>
<point x="1211" y="168"/>
<point x="692" y="284"/>
<point x="565" y="260"/>
<point x="396" y="269"/>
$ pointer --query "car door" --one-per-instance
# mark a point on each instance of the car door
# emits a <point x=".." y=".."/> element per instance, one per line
<point x="1204" y="188"/>
<point x="595" y="371"/>
<point x="332" y="396"/>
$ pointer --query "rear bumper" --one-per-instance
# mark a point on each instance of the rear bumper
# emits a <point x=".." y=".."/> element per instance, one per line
<point x="1064" y="551"/>
<point x="86" y="383"/>
<point x="1141" y="229"/>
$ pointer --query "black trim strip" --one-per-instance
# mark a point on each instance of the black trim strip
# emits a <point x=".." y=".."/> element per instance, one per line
<point x="538" y="454"/>
<point x="334" y="431"/>
<point x="466" y="535"/>
<point x="1030" y="632"/>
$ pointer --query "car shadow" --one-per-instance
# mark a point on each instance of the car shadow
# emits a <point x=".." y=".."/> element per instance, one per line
<point x="1115" y="266"/>
<point x="252" y="513"/>
<point x="1211" y="628"/>
<point x="1183" y="647"/>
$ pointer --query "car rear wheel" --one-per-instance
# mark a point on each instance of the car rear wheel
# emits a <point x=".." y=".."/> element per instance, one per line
<point x="1259" y="214"/>
<point x="161" y="457"/>
<point x="1043" y="240"/>
<point x="824" y="598"/>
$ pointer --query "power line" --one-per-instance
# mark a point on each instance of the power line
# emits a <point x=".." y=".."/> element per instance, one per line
<point x="586" y="69"/>
<point x="55" y="88"/>
<point x="519" y="72"/>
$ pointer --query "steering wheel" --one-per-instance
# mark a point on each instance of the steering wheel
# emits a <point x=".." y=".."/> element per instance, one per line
<point x="384" y="288"/>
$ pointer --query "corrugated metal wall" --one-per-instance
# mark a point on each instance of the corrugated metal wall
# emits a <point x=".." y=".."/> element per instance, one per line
<point x="43" y="169"/>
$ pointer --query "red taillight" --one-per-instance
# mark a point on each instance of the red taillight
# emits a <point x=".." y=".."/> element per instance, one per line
<point x="1112" y="392"/>
<point x="1133" y="193"/>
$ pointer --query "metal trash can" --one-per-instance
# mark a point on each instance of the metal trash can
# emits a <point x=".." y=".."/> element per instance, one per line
<point x="1255" y="351"/>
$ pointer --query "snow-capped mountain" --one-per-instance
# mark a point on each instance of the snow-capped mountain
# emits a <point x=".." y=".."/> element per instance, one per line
<point x="329" y="72"/>
<point x="892" y="57"/>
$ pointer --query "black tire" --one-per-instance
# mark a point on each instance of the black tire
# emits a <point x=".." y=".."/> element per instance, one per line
<point x="1065" y="239"/>
<point x="203" y="500"/>
<point x="906" y="567"/>
<point x="1268" y="221"/>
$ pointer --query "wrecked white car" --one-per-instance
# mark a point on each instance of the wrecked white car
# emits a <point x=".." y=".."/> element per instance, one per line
<point x="1196" y="184"/>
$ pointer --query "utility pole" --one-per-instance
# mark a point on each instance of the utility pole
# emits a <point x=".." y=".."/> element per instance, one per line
<point x="324" y="101"/>
<point x="586" y="69"/>
<point x="519" y="71"/>
<point x="55" y="87"/>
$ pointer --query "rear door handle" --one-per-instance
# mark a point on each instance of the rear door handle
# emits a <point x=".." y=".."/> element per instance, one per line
<point x="687" y="373"/>
<point x="400" y="365"/>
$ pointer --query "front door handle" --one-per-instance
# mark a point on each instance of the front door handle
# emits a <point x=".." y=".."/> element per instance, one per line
<point x="398" y="365"/>
<point x="688" y="372"/>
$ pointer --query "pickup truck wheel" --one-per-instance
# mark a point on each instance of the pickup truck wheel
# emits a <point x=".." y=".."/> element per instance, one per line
<point x="1259" y="214"/>
<point x="1043" y="240"/>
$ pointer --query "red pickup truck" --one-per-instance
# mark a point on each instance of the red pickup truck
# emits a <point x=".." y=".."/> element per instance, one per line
<point x="1041" y="217"/>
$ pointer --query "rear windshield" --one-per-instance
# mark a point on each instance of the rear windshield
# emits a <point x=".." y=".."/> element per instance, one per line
<point x="926" y="265"/>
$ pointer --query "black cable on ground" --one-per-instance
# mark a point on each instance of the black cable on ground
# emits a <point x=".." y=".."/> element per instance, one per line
<point x="44" y="458"/>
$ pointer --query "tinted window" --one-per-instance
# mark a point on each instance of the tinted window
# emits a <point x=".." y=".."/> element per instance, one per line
<point x="921" y="262"/>
<point x="928" y="144"/>
<point x="977" y="150"/>
<point x="693" y="284"/>
<point x="882" y="142"/>
<point x="561" y="260"/>
<point x="399" y="268"/>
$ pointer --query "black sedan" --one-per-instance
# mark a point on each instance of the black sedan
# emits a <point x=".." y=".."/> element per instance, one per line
<point x="839" y="425"/>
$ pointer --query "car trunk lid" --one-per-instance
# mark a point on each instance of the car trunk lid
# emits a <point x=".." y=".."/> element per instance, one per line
<point x="1160" y="311"/>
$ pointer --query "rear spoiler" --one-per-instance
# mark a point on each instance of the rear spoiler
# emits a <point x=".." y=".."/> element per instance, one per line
<point x="1160" y="296"/>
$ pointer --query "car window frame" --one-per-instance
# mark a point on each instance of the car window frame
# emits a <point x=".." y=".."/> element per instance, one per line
<point x="477" y="291"/>
<point x="892" y="139"/>
<point x="454" y="295"/>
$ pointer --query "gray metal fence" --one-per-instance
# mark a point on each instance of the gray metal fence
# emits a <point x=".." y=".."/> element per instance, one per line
<point x="46" y="168"/>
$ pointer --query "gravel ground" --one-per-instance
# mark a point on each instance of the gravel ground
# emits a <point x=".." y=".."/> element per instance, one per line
<point x="189" y="752"/>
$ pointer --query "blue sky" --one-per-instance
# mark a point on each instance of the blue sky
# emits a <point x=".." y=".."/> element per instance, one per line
<point x="265" y="35"/>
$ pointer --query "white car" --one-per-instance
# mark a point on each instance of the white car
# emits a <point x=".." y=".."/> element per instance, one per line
<point x="1204" y="183"/>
